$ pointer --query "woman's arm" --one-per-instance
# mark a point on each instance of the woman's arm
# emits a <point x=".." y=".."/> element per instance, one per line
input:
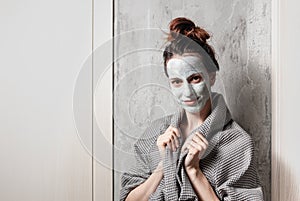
<point x="143" y="191"/>
<point x="197" y="147"/>
<point x="201" y="185"/>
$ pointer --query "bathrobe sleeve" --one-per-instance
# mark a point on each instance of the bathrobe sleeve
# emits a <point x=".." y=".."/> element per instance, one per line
<point x="141" y="170"/>
<point x="236" y="178"/>
<point x="137" y="174"/>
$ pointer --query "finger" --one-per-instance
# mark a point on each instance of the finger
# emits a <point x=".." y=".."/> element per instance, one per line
<point x="174" y="137"/>
<point x="196" y="146"/>
<point x="167" y="138"/>
<point x="176" y="131"/>
<point x="169" y="145"/>
<point x="196" y="138"/>
<point x="176" y="141"/>
<point x="202" y="137"/>
<point x="169" y="128"/>
<point x="199" y="141"/>
<point x="192" y="150"/>
<point x="161" y="142"/>
<point x="174" y="144"/>
<point x="170" y="141"/>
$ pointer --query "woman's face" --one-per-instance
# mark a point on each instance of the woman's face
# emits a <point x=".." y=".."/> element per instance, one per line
<point x="188" y="80"/>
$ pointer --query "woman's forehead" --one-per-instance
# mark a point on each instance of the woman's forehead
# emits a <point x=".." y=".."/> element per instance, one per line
<point x="185" y="66"/>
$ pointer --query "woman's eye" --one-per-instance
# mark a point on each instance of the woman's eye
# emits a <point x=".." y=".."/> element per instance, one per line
<point x="176" y="83"/>
<point x="196" y="79"/>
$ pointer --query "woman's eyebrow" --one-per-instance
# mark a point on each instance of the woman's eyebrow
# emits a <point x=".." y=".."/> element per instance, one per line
<point x="195" y="74"/>
<point x="175" y="78"/>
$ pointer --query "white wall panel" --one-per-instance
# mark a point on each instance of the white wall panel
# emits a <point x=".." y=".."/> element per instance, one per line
<point x="286" y="99"/>
<point x="43" y="45"/>
<point x="103" y="92"/>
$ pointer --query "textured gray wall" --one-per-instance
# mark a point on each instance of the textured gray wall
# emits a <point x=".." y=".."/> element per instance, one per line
<point x="241" y="36"/>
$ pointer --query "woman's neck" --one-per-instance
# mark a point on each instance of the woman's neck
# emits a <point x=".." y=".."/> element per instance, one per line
<point x="194" y="120"/>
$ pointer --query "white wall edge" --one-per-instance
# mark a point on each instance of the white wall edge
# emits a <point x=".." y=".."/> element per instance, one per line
<point x="275" y="138"/>
<point x="102" y="140"/>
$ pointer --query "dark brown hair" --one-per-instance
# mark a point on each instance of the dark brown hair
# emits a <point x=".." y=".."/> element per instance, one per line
<point x="186" y="37"/>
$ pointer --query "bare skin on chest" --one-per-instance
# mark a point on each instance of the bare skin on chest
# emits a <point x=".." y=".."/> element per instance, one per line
<point x="185" y="130"/>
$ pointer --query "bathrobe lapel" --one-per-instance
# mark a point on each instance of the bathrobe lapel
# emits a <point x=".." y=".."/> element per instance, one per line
<point x="176" y="183"/>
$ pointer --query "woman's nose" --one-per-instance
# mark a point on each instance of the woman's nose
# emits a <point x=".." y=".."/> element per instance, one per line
<point x="188" y="90"/>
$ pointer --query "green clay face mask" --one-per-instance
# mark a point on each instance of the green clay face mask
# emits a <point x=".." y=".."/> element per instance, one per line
<point x="189" y="82"/>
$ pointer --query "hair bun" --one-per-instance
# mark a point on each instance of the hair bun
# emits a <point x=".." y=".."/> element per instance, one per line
<point x="188" y="28"/>
<point x="201" y="34"/>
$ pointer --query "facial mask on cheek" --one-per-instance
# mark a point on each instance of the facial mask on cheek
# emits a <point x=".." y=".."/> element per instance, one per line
<point x="192" y="97"/>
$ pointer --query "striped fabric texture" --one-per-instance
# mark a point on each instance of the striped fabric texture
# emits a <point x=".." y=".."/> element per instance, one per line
<point x="228" y="162"/>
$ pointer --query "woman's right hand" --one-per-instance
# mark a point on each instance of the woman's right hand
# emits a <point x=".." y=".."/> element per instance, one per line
<point x="169" y="138"/>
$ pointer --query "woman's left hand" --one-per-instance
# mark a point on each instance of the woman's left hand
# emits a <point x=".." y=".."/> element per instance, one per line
<point x="196" y="149"/>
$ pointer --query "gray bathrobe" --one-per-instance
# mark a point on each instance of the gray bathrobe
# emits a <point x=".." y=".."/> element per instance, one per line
<point x="228" y="162"/>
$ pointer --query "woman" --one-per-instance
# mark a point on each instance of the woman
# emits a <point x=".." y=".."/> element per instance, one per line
<point x="198" y="153"/>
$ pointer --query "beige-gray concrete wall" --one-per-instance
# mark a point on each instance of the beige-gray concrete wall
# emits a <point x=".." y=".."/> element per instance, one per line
<point x="241" y="36"/>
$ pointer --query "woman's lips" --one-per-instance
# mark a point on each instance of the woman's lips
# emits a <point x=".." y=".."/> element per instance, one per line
<point x="190" y="102"/>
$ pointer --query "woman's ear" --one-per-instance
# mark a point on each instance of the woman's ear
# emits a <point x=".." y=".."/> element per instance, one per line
<point x="212" y="78"/>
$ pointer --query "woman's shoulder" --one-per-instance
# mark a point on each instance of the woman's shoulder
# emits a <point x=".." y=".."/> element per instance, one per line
<point x="235" y="135"/>
<point x="153" y="130"/>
